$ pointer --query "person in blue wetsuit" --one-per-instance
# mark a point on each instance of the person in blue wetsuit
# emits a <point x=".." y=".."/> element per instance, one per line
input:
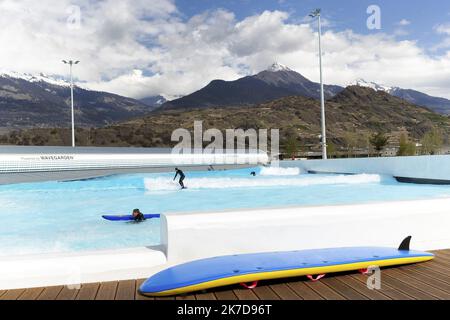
<point x="180" y="173"/>
<point x="138" y="215"/>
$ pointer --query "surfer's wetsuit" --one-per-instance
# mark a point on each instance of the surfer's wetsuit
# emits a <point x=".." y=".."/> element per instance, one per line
<point x="182" y="176"/>
<point x="140" y="217"/>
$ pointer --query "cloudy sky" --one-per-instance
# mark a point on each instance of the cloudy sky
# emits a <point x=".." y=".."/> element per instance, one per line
<point x="141" y="48"/>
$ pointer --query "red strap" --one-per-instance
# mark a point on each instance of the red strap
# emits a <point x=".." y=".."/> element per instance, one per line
<point x="252" y="285"/>
<point x="364" y="271"/>
<point x="317" y="278"/>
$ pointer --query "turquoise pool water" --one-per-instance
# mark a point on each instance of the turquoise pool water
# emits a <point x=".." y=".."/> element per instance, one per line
<point x="66" y="216"/>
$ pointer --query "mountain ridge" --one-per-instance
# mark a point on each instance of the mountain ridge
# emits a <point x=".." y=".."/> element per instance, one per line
<point x="28" y="100"/>
<point x="40" y="101"/>
<point x="275" y="82"/>
<point x="279" y="81"/>
<point x="154" y="101"/>
<point x="356" y="111"/>
<point x="437" y="104"/>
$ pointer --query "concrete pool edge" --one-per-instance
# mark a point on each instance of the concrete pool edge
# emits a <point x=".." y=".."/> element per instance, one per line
<point x="193" y="236"/>
<point x="201" y="235"/>
<point x="414" y="169"/>
<point x="72" y="269"/>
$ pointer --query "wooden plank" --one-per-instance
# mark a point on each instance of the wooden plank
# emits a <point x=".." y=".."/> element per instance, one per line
<point x="265" y="293"/>
<point x="441" y="258"/>
<point x="431" y="277"/>
<point x="362" y="288"/>
<point x="2" y="292"/>
<point x="323" y="290"/>
<point x="405" y="288"/>
<point x="245" y="294"/>
<point x="284" y="292"/>
<point x="343" y="289"/>
<point x="67" y="294"/>
<point x="139" y="296"/>
<point x="442" y="255"/>
<point x="435" y="268"/>
<point x="442" y="250"/>
<point x="165" y="298"/>
<point x="12" y="294"/>
<point x="438" y="261"/>
<point x="88" y="291"/>
<point x="126" y="290"/>
<point x="107" y="291"/>
<point x="225" y="295"/>
<point x="31" y="294"/>
<point x="385" y="288"/>
<point x="442" y="268"/>
<point x="443" y="262"/>
<point x="50" y="293"/>
<point x="442" y="265"/>
<point x="303" y="291"/>
<point x="189" y="297"/>
<point x="420" y="285"/>
<point x="205" y="295"/>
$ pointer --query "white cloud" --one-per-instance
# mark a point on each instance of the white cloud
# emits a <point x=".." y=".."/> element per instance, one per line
<point x="400" y="32"/>
<point x="35" y="36"/>
<point x="141" y="48"/>
<point x="443" y="28"/>
<point x="404" y="22"/>
<point x="401" y="29"/>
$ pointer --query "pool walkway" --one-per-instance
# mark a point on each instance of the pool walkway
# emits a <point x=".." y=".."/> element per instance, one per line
<point x="425" y="281"/>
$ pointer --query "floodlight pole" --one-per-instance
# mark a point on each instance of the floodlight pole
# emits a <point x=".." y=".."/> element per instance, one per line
<point x="71" y="63"/>
<point x="314" y="14"/>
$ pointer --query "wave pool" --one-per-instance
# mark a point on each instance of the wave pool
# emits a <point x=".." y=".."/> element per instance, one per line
<point x="66" y="216"/>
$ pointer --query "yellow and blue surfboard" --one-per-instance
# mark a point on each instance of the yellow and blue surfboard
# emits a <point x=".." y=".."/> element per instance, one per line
<point x="246" y="268"/>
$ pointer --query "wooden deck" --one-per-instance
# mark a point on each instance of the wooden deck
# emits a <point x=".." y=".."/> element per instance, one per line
<point x="429" y="281"/>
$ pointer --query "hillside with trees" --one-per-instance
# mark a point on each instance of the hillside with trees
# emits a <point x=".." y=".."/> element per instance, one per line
<point x="357" y="118"/>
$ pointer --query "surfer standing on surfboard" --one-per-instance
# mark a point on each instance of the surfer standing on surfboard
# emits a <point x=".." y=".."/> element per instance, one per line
<point x="182" y="176"/>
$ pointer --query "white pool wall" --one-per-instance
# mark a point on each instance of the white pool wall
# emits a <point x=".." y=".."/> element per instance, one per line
<point x="195" y="236"/>
<point x="22" y="165"/>
<point x="17" y="163"/>
<point x="419" y="167"/>
<point x="75" y="268"/>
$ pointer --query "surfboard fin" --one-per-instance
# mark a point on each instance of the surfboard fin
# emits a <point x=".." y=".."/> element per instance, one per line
<point x="404" y="246"/>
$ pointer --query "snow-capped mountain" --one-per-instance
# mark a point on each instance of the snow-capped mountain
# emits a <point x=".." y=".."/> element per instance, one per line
<point x="28" y="100"/>
<point x="278" y="67"/>
<point x="436" y="104"/>
<point x="154" y="101"/>
<point x="35" y="78"/>
<point x="373" y="85"/>
<point x="277" y="81"/>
